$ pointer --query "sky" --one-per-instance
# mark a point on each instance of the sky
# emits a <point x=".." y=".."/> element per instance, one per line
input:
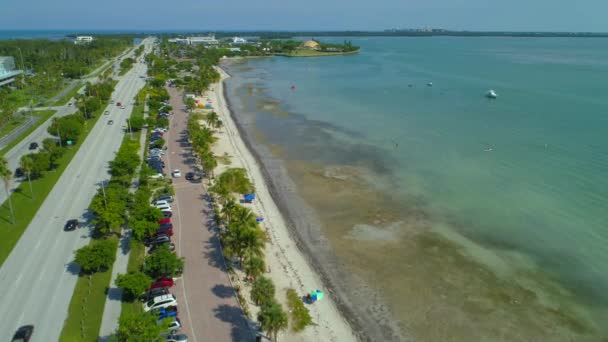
<point x="483" y="15"/>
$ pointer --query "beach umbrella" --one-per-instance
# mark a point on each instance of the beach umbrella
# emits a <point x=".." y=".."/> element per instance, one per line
<point x="259" y="219"/>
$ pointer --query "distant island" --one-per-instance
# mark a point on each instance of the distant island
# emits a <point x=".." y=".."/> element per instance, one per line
<point x="310" y="48"/>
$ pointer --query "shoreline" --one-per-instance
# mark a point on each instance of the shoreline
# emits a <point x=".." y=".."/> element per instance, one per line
<point x="332" y="319"/>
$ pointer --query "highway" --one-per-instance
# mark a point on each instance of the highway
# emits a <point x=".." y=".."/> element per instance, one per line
<point x="39" y="276"/>
<point x="13" y="156"/>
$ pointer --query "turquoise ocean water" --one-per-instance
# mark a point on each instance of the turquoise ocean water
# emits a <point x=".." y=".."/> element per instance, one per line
<point x="525" y="174"/>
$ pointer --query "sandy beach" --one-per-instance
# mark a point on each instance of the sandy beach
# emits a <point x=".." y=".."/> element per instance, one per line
<point x="288" y="266"/>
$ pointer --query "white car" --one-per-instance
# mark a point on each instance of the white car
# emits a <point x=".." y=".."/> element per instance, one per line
<point x="176" y="173"/>
<point x="157" y="176"/>
<point x="176" y="338"/>
<point x="160" y="302"/>
<point x="174" y="323"/>
<point x="122" y="107"/>
<point x="161" y="203"/>
<point x="107" y="112"/>
<point x="164" y="207"/>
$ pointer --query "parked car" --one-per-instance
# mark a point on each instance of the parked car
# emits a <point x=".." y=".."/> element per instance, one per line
<point x="170" y="311"/>
<point x="160" y="302"/>
<point x="160" y="239"/>
<point x="157" y="176"/>
<point x="161" y="203"/>
<point x="155" y="292"/>
<point x="71" y="225"/>
<point x="164" y="220"/>
<point x="23" y="334"/>
<point x="174" y="323"/>
<point x="162" y="282"/>
<point x="167" y="198"/>
<point x="194" y="177"/>
<point x="164" y="207"/>
<point x="176" y="173"/>
<point x="165" y="230"/>
<point x="153" y="248"/>
<point x="33" y="145"/>
<point x="167" y="214"/>
<point x="19" y="172"/>
<point x="176" y="338"/>
<point x="166" y="226"/>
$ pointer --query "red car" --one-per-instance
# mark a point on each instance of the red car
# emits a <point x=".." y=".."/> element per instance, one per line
<point x="164" y="220"/>
<point x="162" y="282"/>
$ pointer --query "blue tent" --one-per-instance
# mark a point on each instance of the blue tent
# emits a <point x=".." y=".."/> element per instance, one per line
<point x="249" y="197"/>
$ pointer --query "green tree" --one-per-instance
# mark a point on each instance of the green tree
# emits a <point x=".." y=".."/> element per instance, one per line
<point x="50" y="145"/>
<point x="163" y="262"/>
<point x="67" y="127"/>
<point x="272" y="319"/>
<point x="98" y="256"/>
<point x="41" y="162"/>
<point x="209" y="162"/>
<point x="254" y="267"/>
<point x="109" y="206"/>
<point x="137" y="123"/>
<point x="262" y="291"/>
<point x="142" y="228"/>
<point x="133" y="283"/>
<point x="158" y="143"/>
<point x="6" y="175"/>
<point x="27" y="164"/>
<point x="141" y="326"/>
<point x="190" y="103"/>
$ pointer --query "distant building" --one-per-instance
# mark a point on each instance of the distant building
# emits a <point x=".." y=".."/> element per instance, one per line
<point x="235" y="49"/>
<point x="209" y="40"/>
<point x="310" y="44"/>
<point x="83" y="39"/>
<point x="8" y="71"/>
<point x="179" y="40"/>
<point x="238" y="41"/>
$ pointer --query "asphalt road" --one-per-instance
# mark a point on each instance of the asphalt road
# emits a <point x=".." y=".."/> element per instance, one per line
<point x="13" y="156"/>
<point x="38" y="278"/>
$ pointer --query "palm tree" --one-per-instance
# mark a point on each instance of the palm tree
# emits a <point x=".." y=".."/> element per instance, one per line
<point x="6" y="175"/>
<point x="209" y="163"/>
<point x="273" y="319"/>
<point x="254" y="267"/>
<point x="228" y="209"/>
<point x="27" y="164"/>
<point x="262" y="291"/>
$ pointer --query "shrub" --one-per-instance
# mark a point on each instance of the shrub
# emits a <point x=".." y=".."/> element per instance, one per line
<point x="300" y="317"/>
<point x="262" y="291"/>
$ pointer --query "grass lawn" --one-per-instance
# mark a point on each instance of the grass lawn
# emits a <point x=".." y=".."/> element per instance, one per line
<point x="42" y="115"/>
<point x="64" y="100"/>
<point x="11" y="125"/>
<point x="136" y="261"/>
<point x="86" y="308"/>
<point x="25" y="206"/>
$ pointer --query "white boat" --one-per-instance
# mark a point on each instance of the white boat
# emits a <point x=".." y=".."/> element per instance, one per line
<point x="430" y="84"/>
<point x="491" y="94"/>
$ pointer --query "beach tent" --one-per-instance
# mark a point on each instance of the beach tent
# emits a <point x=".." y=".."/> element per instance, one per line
<point x="208" y="106"/>
<point x="316" y="295"/>
<point x="259" y="219"/>
<point x="249" y="197"/>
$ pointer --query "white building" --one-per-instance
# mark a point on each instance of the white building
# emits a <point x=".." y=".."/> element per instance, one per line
<point x="203" y="40"/>
<point x="8" y="70"/>
<point x="238" y="41"/>
<point x="179" y="40"/>
<point x="83" y="39"/>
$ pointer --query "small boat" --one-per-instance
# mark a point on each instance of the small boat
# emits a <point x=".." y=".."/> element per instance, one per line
<point x="491" y="94"/>
<point x="430" y="84"/>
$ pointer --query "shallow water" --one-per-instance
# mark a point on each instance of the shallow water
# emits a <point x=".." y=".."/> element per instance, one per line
<point x="470" y="216"/>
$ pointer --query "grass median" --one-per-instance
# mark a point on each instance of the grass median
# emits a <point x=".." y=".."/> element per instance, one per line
<point x="136" y="261"/>
<point x="87" y="304"/>
<point x="42" y="115"/>
<point x="88" y="301"/>
<point x="25" y="205"/>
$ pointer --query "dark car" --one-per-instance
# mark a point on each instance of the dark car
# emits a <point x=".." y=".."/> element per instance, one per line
<point x="195" y="177"/>
<point x="167" y="214"/>
<point x="165" y="231"/>
<point x="23" y="334"/>
<point x="170" y="311"/>
<point x="160" y="240"/>
<point x="71" y="225"/>
<point x="33" y="145"/>
<point x="159" y="291"/>
<point x="19" y="172"/>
